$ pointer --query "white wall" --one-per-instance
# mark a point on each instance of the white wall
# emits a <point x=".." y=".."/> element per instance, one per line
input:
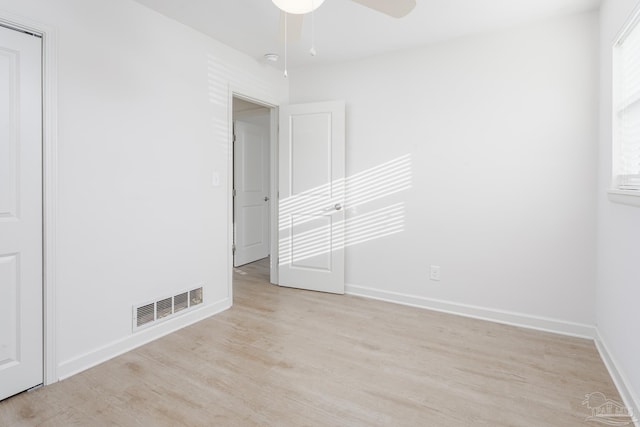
<point x="501" y="130"/>
<point x="618" y="284"/>
<point x="143" y="128"/>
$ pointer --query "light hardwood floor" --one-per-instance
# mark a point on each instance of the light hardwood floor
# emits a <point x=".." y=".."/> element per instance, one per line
<point x="285" y="357"/>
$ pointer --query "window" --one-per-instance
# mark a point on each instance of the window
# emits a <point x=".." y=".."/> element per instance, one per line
<point x="626" y="105"/>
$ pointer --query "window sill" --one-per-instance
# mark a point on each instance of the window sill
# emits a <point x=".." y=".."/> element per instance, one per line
<point x="625" y="197"/>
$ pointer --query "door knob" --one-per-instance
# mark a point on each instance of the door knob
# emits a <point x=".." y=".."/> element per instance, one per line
<point x="266" y="198"/>
<point x="338" y="206"/>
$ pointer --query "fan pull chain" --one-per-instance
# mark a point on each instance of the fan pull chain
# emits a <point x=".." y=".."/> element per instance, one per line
<point x="312" y="51"/>
<point x="286" y="74"/>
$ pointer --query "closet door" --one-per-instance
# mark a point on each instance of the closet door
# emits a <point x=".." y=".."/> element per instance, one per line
<point x="21" y="354"/>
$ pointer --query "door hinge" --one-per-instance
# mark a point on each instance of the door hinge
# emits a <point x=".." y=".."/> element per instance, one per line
<point x="233" y="249"/>
<point x="234" y="192"/>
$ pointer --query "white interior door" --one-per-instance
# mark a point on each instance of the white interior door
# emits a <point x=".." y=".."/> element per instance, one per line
<point x="311" y="196"/>
<point x="21" y="357"/>
<point x="251" y="184"/>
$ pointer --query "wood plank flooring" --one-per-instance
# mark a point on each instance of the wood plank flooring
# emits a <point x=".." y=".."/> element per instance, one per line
<point x="286" y="357"/>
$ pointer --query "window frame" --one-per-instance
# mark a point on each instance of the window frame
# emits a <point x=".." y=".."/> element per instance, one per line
<point x="616" y="193"/>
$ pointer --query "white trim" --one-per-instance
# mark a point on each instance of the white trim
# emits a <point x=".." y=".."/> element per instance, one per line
<point x="616" y="194"/>
<point x="49" y="179"/>
<point x="629" y="25"/>
<point x="230" y="240"/>
<point x="50" y="115"/>
<point x="116" y="348"/>
<point x="620" y="380"/>
<point x="275" y="200"/>
<point x="483" y="313"/>
<point x="625" y="197"/>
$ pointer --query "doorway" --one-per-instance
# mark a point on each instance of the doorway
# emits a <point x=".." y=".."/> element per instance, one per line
<point x="253" y="204"/>
<point x="306" y="176"/>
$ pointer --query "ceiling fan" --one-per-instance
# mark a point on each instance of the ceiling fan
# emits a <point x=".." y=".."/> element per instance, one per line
<point x="293" y="11"/>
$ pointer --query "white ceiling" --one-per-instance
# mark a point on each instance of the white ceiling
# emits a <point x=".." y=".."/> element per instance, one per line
<point x="346" y="30"/>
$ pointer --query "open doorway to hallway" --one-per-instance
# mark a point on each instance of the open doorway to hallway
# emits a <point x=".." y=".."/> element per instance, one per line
<point x="252" y="186"/>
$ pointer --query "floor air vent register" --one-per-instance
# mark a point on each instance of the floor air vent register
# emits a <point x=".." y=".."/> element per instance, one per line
<point x="151" y="313"/>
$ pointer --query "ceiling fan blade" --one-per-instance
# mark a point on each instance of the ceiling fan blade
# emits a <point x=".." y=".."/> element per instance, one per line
<point x="294" y="26"/>
<point x="394" y="8"/>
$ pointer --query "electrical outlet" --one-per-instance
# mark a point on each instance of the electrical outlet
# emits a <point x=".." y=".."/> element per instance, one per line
<point x="434" y="273"/>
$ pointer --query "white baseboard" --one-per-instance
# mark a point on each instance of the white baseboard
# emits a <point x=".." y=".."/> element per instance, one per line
<point x="510" y="318"/>
<point x="88" y="360"/>
<point x="629" y="398"/>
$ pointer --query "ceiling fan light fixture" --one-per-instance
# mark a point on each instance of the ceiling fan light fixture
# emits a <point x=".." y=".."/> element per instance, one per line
<point x="298" y="7"/>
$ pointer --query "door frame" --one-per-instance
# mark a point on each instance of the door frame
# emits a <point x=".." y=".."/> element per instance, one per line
<point x="247" y="95"/>
<point x="49" y="181"/>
